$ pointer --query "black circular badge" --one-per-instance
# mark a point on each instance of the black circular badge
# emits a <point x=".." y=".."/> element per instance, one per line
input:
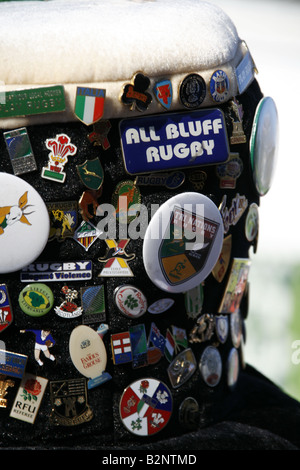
<point x="192" y="91"/>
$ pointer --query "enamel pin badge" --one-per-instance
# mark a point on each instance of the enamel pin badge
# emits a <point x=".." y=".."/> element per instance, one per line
<point x="135" y="94"/>
<point x="6" y="313"/>
<point x="146" y="407"/>
<point x="91" y="173"/>
<point x="20" y="151"/>
<point x="29" y="398"/>
<point x="89" y="104"/>
<point x="116" y="259"/>
<point x="60" y="149"/>
<point x="163" y="93"/>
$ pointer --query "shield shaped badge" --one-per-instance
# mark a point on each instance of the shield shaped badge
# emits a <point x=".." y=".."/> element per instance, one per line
<point x="91" y="173"/>
<point x="89" y="104"/>
<point x="163" y="93"/>
<point x="178" y="261"/>
<point x="6" y="315"/>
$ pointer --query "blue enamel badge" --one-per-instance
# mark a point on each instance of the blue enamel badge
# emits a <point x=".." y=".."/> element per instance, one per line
<point x="173" y="141"/>
<point x="163" y="93"/>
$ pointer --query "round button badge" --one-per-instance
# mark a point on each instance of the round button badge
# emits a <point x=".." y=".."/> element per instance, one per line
<point x="192" y="91"/>
<point x="146" y="407"/>
<point x="263" y="144"/>
<point x="24" y="223"/>
<point x="36" y="299"/>
<point x="130" y="301"/>
<point x="183" y="242"/>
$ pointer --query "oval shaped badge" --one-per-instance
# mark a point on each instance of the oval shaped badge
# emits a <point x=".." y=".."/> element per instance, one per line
<point x="183" y="242"/>
<point x="36" y="299"/>
<point x="88" y="354"/>
<point x="24" y="223"/>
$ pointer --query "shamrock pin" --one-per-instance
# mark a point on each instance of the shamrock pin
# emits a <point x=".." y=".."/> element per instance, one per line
<point x="135" y="95"/>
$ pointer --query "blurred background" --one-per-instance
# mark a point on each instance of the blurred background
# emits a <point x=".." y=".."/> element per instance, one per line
<point x="271" y="28"/>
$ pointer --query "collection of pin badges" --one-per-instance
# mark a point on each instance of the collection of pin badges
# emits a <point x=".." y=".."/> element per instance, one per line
<point x="167" y="141"/>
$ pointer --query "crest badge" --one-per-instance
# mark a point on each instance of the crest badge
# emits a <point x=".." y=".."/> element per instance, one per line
<point x="89" y="104"/>
<point x="91" y="173"/>
<point x="60" y="149"/>
<point x="69" y="402"/>
<point x="6" y="314"/>
<point x="163" y="93"/>
<point x="86" y="234"/>
<point x="146" y="407"/>
<point x="29" y="398"/>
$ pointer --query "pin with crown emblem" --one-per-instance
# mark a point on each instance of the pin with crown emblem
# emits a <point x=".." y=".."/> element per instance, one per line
<point x="60" y="148"/>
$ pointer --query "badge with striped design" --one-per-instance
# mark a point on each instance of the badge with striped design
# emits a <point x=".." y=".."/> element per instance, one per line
<point x="86" y="234"/>
<point x="89" y="104"/>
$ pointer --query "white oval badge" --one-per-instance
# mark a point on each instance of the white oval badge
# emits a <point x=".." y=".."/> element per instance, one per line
<point x="24" y="223"/>
<point x="183" y="242"/>
<point x="263" y="144"/>
<point x="88" y="354"/>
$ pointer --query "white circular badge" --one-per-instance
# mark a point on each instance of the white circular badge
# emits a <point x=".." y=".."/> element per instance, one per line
<point x="183" y="242"/>
<point x="263" y="144"/>
<point x="24" y="223"/>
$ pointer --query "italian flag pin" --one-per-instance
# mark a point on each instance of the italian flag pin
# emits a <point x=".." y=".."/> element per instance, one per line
<point x="89" y="104"/>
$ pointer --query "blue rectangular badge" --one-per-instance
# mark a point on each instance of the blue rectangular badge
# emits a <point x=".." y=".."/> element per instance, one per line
<point x="12" y="364"/>
<point x="172" y="141"/>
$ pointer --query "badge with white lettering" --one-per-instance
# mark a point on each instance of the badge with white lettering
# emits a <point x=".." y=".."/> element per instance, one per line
<point x="99" y="134"/>
<point x="192" y="91"/>
<point x="6" y="312"/>
<point x="89" y="104"/>
<point x="24" y="223"/>
<point x="36" y="299"/>
<point x="88" y="354"/>
<point x="146" y="407"/>
<point x="130" y="301"/>
<point x="230" y="171"/>
<point x="33" y="101"/>
<point x="116" y="259"/>
<point x="160" y="306"/>
<point x="174" y="141"/>
<point x="163" y="93"/>
<point x="69" y="402"/>
<point x="68" y="308"/>
<point x="238" y="136"/>
<point x="5" y="382"/>
<point x="43" y="342"/>
<point x="12" y="364"/>
<point x="232" y="368"/>
<point x="252" y="222"/>
<point x="60" y="149"/>
<point x="86" y="234"/>
<point x="222" y="264"/>
<point x="236" y="285"/>
<point x="57" y="271"/>
<point x="93" y="304"/>
<point x="91" y="173"/>
<point x="222" y="327"/>
<point x="63" y="219"/>
<point x="126" y="200"/>
<point x="135" y="95"/>
<point x="245" y="72"/>
<point x="232" y="215"/>
<point x="20" y="151"/>
<point x="264" y="144"/>
<point x="121" y="348"/>
<point x="183" y="242"/>
<point x="193" y="299"/>
<point x="210" y="366"/>
<point x="182" y="368"/>
<point x="219" y="86"/>
<point x="169" y="180"/>
<point x="29" y="397"/>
